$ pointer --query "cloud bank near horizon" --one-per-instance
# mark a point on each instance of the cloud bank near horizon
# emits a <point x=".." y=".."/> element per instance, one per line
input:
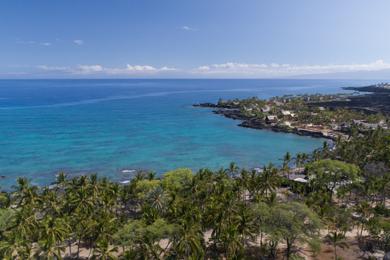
<point x="222" y="70"/>
<point x="97" y="69"/>
<point x="284" y="70"/>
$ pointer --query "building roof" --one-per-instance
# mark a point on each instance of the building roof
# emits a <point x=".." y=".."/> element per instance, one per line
<point x="271" y="117"/>
<point x="265" y="108"/>
<point x="300" y="180"/>
<point x="286" y="112"/>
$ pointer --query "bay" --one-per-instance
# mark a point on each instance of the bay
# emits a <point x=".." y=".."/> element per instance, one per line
<point x="110" y="126"/>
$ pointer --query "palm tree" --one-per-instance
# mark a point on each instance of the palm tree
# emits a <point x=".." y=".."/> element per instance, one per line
<point x="286" y="162"/>
<point x="298" y="160"/>
<point x="269" y="180"/>
<point x="60" y="180"/>
<point x="25" y="194"/>
<point x="105" y="251"/>
<point x="151" y="176"/>
<point x="94" y="187"/>
<point x="364" y="210"/>
<point x="338" y="222"/>
<point x="26" y="225"/>
<point x="233" y="243"/>
<point x="4" y="199"/>
<point x="242" y="184"/>
<point x="53" y="232"/>
<point x="301" y="159"/>
<point x="50" y="203"/>
<point x="157" y="200"/>
<point x="246" y="223"/>
<point x="15" y="248"/>
<point x="233" y="169"/>
<point x="261" y="212"/>
<point x="189" y="242"/>
<point x="336" y="239"/>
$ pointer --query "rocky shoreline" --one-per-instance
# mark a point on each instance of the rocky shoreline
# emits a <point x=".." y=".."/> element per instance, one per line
<point x="255" y="123"/>
<point x="376" y="99"/>
<point x="319" y="116"/>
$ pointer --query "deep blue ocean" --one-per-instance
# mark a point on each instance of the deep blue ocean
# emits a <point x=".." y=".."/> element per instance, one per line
<point x="107" y="126"/>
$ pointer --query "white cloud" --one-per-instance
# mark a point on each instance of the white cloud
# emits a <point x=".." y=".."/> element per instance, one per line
<point x="88" y="69"/>
<point x="99" y="69"/>
<point x="276" y="70"/>
<point x="165" y="68"/>
<point x="204" y="68"/>
<point x="187" y="28"/>
<point x="138" y="69"/>
<point x="229" y="69"/>
<point x="54" y="68"/>
<point x="78" y="42"/>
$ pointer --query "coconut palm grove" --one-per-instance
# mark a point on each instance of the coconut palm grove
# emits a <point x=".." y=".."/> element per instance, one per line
<point x="230" y="213"/>
<point x="195" y="130"/>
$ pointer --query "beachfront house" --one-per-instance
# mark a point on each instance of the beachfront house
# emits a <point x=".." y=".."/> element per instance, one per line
<point x="271" y="119"/>
<point x="371" y="126"/>
<point x="286" y="113"/>
<point x="258" y="170"/>
<point x="248" y="109"/>
<point x="297" y="171"/>
<point x="301" y="180"/>
<point x="335" y="127"/>
<point x="344" y="127"/>
<point x="287" y="123"/>
<point x="266" y="109"/>
<point x="366" y="125"/>
<point x="298" y="178"/>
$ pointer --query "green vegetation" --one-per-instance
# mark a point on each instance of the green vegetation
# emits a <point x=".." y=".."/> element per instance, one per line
<point x="230" y="213"/>
<point x="305" y="114"/>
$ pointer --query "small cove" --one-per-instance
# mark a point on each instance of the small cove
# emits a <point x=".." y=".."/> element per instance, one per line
<point x="107" y="126"/>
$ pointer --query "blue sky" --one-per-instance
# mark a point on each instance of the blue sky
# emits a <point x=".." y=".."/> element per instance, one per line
<point x="192" y="38"/>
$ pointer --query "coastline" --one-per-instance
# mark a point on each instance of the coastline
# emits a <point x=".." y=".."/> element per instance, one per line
<point x="320" y="116"/>
<point x="259" y="124"/>
<point x="175" y="135"/>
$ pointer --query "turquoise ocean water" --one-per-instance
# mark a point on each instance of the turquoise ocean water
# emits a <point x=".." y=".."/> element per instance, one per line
<point x="107" y="126"/>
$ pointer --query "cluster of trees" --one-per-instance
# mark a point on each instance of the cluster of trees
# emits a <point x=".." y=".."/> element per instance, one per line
<point x="306" y="110"/>
<point x="231" y="213"/>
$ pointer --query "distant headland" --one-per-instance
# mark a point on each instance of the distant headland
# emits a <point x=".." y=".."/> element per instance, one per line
<point x="327" y="116"/>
